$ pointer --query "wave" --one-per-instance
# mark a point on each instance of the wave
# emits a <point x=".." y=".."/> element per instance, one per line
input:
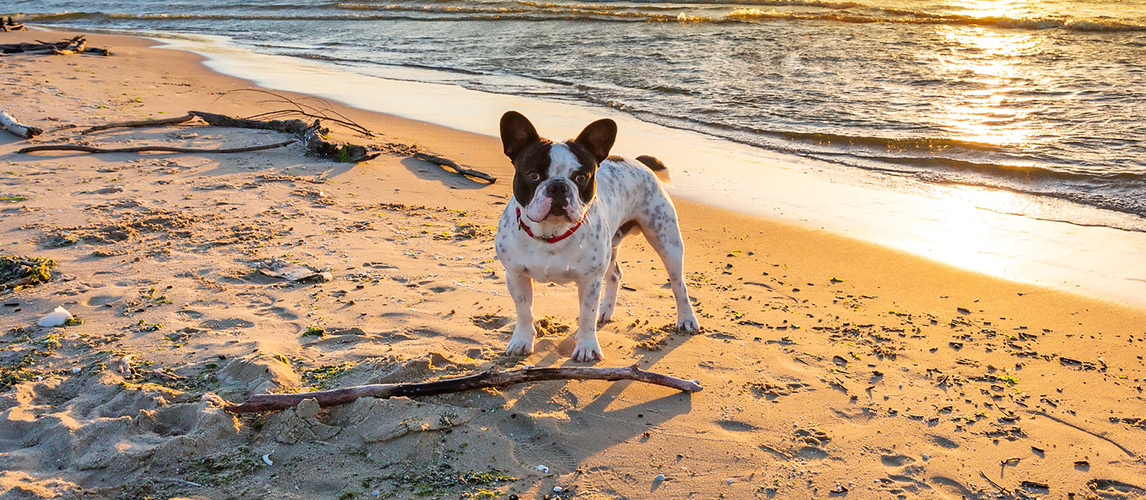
<point x="914" y="17"/>
<point x="841" y="12"/>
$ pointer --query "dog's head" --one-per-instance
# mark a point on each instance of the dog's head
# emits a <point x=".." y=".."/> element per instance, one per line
<point x="555" y="181"/>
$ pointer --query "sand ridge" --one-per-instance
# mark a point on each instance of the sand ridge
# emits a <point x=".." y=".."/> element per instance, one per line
<point x="831" y="368"/>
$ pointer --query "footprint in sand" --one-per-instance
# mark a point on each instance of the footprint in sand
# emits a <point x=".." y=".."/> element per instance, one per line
<point x="101" y="300"/>
<point x="224" y="324"/>
<point x="490" y="321"/>
<point x="1115" y="490"/>
<point x="944" y="442"/>
<point x="277" y="312"/>
<point x="895" y="460"/>
<point x="734" y="426"/>
<point x="814" y="439"/>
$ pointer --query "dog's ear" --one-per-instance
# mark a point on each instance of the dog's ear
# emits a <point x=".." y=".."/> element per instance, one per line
<point x="598" y="138"/>
<point x="517" y="133"/>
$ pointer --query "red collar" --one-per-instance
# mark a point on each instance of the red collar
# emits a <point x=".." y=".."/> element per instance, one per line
<point x="554" y="239"/>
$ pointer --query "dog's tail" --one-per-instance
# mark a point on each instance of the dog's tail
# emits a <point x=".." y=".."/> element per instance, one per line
<point x="659" y="169"/>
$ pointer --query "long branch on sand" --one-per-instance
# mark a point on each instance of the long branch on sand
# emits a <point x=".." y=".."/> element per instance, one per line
<point x="149" y="149"/>
<point x="275" y="402"/>
<point x="312" y="136"/>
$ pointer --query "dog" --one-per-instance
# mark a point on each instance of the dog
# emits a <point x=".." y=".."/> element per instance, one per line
<point x="572" y="205"/>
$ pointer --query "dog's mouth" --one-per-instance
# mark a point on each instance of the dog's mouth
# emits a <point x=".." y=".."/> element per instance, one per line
<point x="558" y="210"/>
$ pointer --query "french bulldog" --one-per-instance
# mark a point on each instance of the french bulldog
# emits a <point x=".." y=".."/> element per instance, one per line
<point x="572" y="205"/>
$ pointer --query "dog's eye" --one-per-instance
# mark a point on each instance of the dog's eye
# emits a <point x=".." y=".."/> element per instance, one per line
<point x="533" y="176"/>
<point x="581" y="178"/>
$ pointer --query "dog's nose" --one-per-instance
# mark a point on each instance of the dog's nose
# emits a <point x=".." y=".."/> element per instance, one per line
<point x="558" y="189"/>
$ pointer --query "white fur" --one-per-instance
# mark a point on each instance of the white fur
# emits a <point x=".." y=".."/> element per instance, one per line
<point x="626" y="191"/>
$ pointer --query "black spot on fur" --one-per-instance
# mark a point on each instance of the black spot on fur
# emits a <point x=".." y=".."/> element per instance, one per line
<point x="534" y="159"/>
<point x="588" y="189"/>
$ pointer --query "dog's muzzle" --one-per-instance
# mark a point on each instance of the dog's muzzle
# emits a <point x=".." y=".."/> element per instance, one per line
<point x="559" y="193"/>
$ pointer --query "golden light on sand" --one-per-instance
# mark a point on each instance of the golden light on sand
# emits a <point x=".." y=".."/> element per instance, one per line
<point x="964" y="238"/>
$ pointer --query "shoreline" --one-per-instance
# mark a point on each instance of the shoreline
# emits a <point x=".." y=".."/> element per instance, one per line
<point x="970" y="228"/>
<point x="827" y="362"/>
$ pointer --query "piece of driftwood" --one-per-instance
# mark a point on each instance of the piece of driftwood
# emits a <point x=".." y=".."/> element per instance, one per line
<point x="149" y="149"/>
<point x="12" y="125"/>
<point x="446" y="162"/>
<point x="76" y="45"/>
<point x="275" y="402"/>
<point x="312" y="136"/>
<point x="12" y="25"/>
<point x="323" y="110"/>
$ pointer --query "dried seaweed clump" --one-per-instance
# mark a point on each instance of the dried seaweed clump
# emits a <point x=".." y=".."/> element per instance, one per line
<point x="21" y="272"/>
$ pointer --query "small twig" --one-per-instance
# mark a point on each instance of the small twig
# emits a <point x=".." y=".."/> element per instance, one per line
<point x="993" y="483"/>
<point x="446" y="162"/>
<point x="275" y="402"/>
<point x="1092" y="433"/>
<point x="777" y="451"/>
<point x="149" y="149"/>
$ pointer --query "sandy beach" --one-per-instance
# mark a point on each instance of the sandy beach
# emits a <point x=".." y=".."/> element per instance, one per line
<point x="831" y="368"/>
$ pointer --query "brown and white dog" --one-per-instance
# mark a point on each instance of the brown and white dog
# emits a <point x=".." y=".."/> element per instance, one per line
<point x="572" y="205"/>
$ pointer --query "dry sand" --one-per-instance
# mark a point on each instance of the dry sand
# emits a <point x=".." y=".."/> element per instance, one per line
<point x="830" y="367"/>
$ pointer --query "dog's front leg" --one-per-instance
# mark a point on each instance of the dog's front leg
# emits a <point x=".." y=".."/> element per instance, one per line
<point x="587" y="348"/>
<point x="521" y="290"/>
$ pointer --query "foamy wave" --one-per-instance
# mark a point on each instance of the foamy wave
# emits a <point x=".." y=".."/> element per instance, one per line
<point x="912" y="17"/>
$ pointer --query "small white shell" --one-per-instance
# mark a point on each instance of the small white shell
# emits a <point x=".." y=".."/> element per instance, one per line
<point x="267" y="459"/>
<point x="56" y="318"/>
<point x="543" y="469"/>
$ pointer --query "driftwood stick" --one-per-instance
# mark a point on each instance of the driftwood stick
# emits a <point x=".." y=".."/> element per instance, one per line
<point x="446" y="162"/>
<point x="18" y="128"/>
<point x="275" y="402"/>
<point x="149" y="149"/>
<point x="289" y="126"/>
<point x="74" y="48"/>
<point x="42" y="47"/>
<point x="312" y="136"/>
<point x="141" y="123"/>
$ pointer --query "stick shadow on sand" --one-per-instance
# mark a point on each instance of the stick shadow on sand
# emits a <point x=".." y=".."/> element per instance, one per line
<point x="427" y="171"/>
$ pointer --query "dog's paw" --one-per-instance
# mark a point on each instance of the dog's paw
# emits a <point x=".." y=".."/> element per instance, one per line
<point x="587" y="351"/>
<point x="519" y="346"/>
<point x="605" y="316"/>
<point x="687" y="324"/>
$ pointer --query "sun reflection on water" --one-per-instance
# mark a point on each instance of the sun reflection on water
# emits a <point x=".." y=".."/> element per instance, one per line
<point x="994" y="8"/>
<point x="989" y="66"/>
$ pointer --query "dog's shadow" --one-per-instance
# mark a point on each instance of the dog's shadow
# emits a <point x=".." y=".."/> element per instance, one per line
<point x="598" y="425"/>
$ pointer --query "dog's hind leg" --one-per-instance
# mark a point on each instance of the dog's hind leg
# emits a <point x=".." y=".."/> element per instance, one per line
<point x="612" y="284"/>
<point x="613" y="273"/>
<point x="521" y="290"/>
<point x="664" y="236"/>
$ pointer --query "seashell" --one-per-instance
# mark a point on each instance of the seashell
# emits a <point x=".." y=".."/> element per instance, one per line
<point x="56" y="318"/>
